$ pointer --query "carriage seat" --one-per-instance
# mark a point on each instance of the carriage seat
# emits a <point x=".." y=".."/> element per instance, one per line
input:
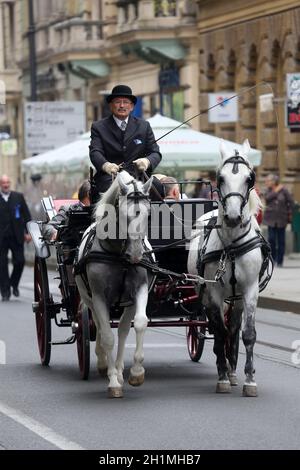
<point x="51" y="206"/>
<point x="172" y="220"/>
<point x="73" y="222"/>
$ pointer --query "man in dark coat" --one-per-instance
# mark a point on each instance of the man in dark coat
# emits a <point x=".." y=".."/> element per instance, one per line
<point x="121" y="139"/>
<point x="278" y="211"/>
<point x="14" y="214"/>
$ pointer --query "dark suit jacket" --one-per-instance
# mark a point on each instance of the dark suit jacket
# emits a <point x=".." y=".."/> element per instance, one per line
<point x="109" y="143"/>
<point x="14" y="214"/>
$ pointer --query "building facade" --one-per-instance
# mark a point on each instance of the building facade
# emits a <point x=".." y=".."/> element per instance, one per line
<point x="173" y="53"/>
<point x="10" y="90"/>
<point x="84" y="48"/>
<point x="253" y="44"/>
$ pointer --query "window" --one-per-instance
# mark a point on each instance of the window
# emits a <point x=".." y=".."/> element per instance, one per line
<point x="164" y="8"/>
<point x="171" y="96"/>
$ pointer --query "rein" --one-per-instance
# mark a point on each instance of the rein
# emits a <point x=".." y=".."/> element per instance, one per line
<point x="111" y="258"/>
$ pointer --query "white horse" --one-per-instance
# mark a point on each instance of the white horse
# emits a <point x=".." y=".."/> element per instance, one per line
<point x="233" y="253"/>
<point x="114" y="276"/>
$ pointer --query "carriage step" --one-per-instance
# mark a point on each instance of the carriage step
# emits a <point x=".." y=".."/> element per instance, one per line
<point x="69" y="340"/>
<point x="52" y="307"/>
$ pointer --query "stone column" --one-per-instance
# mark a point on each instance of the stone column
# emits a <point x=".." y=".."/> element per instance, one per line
<point x="1" y="39"/>
<point x="267" y="128"/>
<point x="225" y="82"/>
<point x="189" y="80"/>
<point x="246" y="125"/>
<point x="206" y="85"/>
<point x="146" y="10"/>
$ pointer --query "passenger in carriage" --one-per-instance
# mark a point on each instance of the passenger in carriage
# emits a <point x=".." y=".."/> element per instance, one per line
<point x="121" y="140"/>
<point x="50" y="230"/>
<point x="203" y="191"/>
<point x="157" y="191"/>
<point x="171" y="188"/>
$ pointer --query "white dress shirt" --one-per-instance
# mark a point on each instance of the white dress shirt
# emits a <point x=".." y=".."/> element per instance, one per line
<point x="5" y="196"/>
<point x="119" y="121"/>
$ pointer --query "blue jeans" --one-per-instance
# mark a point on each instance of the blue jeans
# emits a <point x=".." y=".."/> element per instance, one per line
<point x="276" y="236"/>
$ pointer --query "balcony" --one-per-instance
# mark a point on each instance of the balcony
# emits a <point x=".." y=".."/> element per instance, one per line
<point x="78" y="34"/>
<point x="154" y="14"/>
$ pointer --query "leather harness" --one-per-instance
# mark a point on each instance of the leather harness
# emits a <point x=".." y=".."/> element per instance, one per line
<point x="233" y="251"/>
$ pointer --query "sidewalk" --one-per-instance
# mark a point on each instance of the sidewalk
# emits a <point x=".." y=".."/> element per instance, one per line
<point x="283" y="290"/>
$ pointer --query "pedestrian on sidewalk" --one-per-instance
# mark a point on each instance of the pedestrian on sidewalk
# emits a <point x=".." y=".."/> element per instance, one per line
<point x="14" y="214"/>
<point x="278" y="212"/>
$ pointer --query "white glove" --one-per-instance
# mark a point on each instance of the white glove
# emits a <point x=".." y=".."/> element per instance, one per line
<point x="142" y="163"/>
<point x="110" y="168"/>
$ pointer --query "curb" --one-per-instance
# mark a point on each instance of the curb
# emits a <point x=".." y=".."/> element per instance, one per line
<point x="279" y="304"/>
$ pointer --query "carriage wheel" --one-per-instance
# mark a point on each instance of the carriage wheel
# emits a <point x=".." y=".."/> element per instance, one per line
<point x="42" y="317"/>
<point x="83" y="341"/>
<point x="195" y="341"/>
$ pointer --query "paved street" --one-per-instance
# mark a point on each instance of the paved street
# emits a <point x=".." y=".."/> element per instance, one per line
<point x="176" y="408"/>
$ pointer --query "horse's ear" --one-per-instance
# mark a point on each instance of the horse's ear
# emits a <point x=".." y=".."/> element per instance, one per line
<point x="246" y="147"/>
<point x="147" y="185"/>
<point x="123" y="187"/>
<point x="224" y="150"/>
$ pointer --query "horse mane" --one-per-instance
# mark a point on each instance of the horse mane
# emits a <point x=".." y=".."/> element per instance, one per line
<point x="255" y="203"/>
<point x="110" y="196"/>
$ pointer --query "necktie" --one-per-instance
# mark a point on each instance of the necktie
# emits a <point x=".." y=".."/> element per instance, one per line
<point x="123" y="125"/>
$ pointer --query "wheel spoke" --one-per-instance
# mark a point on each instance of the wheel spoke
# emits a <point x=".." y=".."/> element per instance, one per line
<point x="195" y="341"/>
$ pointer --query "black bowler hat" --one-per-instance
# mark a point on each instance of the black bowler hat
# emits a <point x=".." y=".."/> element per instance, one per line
<point x="121" y="91"/>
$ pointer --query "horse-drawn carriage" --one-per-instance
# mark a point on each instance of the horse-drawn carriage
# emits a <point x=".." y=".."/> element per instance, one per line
<point x="176" y="280"/>
<point x="173" y="301"/>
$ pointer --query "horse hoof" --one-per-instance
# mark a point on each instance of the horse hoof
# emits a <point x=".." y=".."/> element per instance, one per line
<point x="136" y="380"/>
<point x="115" y="392"/>
<point x="233" y="379"/>
<point x="223" y="386"/>
<point x="102" y="372"/>
<point x="250" y="390"/>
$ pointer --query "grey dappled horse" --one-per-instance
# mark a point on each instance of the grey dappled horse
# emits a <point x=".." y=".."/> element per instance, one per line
<point x="125" y="203"/>
<point x="238" y="205"/>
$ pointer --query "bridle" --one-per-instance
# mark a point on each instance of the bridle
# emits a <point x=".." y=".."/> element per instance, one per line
<point x="136" y="196"/>
<point x="236" y="160"/>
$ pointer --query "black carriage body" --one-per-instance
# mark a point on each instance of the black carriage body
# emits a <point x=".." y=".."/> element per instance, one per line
<point x="173" y="221"/>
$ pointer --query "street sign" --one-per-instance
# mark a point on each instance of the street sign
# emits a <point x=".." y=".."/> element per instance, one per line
<point x="293" y="100"/>
<point x="223" y="108"/>
<point x="51" y="124"/>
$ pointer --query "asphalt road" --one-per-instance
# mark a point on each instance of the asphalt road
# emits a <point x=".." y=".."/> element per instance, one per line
<point x="176" y="408"/>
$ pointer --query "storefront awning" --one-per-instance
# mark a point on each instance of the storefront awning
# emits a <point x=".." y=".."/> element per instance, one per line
<point x="157" y="51"/>
<point x="92" y="68"/>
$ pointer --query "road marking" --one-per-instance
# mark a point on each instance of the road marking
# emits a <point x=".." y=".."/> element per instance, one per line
<point x="41" y="430"/>
<point x="156" y="345"/>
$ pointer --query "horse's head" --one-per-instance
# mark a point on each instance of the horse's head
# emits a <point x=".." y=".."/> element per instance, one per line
<point x="134" y="209"/>
<point x="235" y="179"/>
